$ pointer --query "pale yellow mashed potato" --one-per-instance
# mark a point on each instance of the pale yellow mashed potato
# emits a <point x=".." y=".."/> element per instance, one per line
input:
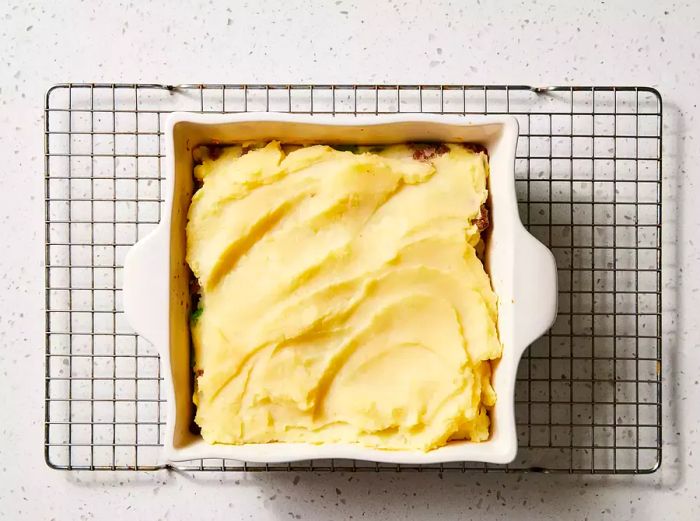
<point x="342" y="299"/>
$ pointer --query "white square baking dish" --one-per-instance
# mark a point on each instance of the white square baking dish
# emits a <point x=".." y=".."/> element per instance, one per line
<point x="156" y="292"/>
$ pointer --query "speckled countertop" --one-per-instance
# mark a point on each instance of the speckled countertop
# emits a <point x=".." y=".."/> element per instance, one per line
<point x="640" y="43"/>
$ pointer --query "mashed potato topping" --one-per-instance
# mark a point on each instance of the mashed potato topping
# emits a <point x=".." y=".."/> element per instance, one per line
<point x="342" y="298"/>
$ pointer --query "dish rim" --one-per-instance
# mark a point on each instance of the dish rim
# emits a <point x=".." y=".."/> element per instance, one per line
<point x="158" y="245"/>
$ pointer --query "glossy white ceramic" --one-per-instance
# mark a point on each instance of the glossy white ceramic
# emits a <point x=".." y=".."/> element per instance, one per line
<point x="156" y="294"/>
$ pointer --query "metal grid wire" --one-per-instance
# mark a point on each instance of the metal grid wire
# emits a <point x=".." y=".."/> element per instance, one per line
<point x="588" y="169"/>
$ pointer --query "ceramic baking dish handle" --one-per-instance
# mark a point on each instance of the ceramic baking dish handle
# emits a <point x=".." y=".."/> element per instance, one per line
<point x="535" y="288"/>
<point x="146" y="286"/>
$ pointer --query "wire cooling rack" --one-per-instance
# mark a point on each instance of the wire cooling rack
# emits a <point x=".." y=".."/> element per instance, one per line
<point x="588" y="169"/>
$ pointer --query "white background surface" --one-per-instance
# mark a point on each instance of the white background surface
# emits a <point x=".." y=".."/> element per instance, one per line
<point x="638" y="43"/>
